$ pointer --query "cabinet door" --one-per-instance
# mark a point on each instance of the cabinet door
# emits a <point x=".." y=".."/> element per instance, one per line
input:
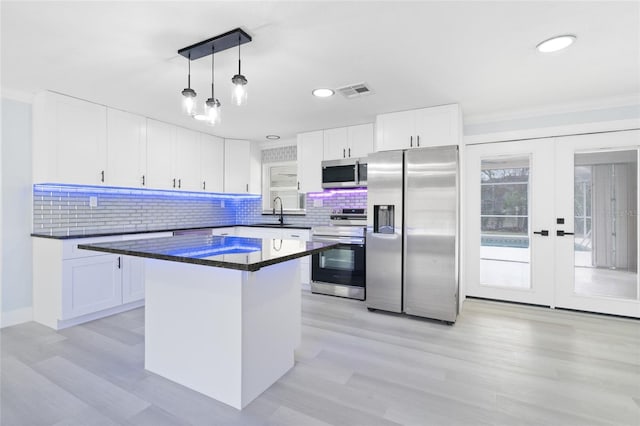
<point x="126" y="149"/>
<point x="81" y="141"/>
<point x="237" y="156"/>
<point x="90" y="284"/>
<point x="211" y="163"/>
<point x="132" y="279"/>
<point x="187" y="165"/>
<point x="336" y="144"/>
<point x="310" y="156"/>
<point x="160" y="138"/>
<point x="438" y="126"/>
<point x="360" y="140"/>
<point x="395" y="131"/>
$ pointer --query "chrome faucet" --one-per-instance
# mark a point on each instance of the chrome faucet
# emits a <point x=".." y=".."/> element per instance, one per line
<point x="281" y="219"/>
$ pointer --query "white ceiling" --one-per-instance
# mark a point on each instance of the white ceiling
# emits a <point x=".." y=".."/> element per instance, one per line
<point x="413" y="54"/>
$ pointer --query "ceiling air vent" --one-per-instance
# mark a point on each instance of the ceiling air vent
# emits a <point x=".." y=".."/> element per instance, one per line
<point x="353" y="91"/>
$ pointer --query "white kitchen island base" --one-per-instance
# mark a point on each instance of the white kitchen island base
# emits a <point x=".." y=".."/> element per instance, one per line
<point x="226" y="333"/>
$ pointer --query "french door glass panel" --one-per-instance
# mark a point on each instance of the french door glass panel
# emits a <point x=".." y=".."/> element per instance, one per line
<point x="504" y="227"/>
<point x="605" y="246"/>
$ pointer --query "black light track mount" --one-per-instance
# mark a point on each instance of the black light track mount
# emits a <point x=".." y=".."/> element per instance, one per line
<point x="215" y="44"/>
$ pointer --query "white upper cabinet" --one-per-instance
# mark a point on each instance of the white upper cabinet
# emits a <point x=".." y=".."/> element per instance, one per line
<point x="160" y="155"/>
<point x="335" y="143"/>
<point x="238" y="165"/>
<point x="126" y="149"/>
<point x="435" y="126"/>
<point x="187" y="160"/>
<point x="310" y="155"/>
<point x="348" y="142"/>
<point x="69" y="141"/>
<point x="211" y="163"/>
<point x="360" y="140"/>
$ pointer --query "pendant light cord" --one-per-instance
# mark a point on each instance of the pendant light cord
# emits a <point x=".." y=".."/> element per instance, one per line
<point x="189" y="73"/>
<point x="239" y="56"/>
<point x="213" y="51"/>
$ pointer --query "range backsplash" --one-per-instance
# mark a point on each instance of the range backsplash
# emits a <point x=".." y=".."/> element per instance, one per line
<point x="66" y="209"/>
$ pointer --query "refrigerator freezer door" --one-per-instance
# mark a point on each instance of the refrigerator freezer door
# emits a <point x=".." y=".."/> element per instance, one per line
<point x="431" y="200"/>
<point x="384" y="241"/>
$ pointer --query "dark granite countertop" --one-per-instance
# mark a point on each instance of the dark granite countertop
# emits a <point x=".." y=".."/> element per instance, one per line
<point x="245" y="254"/>
<point x="92" y="234"/>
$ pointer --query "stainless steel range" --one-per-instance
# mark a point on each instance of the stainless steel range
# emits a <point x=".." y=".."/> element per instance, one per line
<point x="341" y="271"/>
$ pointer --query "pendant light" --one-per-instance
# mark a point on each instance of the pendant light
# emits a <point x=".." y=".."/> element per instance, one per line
<point x="188" y="94"/>
<point x="212" y="105"/>
<point x="239" y="94"/>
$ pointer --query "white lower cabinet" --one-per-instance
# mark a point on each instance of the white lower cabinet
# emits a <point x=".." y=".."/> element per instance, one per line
<point x="132" y="279"/>
<point x="72" y="286"/>
<point x="90" y="284"/>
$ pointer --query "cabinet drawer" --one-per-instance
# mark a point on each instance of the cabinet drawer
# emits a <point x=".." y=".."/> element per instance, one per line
<point x="70" y="248"/>
<point x="147" y="236"/>
<point x="295" y="234"/>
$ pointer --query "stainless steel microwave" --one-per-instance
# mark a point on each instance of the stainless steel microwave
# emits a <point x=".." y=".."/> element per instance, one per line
<point x="344" y="173"/>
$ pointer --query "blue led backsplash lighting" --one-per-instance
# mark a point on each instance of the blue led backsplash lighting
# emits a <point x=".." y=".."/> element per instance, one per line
<point x="81" y="209"/>
<point x="140" y="192"/>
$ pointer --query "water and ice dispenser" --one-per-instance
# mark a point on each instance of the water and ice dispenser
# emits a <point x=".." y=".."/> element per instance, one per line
<point x="383" y="219"/>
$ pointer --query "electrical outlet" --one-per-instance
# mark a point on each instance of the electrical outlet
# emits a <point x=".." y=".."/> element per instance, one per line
<point x="93" y="201"/>
<point x="317" y="202"/>
<point x="222" y="204"/>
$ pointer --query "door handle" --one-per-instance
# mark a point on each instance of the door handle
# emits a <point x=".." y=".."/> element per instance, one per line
<point x="544" y="233"/>
<point x="561" y="233"/>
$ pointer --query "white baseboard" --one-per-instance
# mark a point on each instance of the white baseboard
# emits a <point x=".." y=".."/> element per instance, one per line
<point x="16" y="316"/>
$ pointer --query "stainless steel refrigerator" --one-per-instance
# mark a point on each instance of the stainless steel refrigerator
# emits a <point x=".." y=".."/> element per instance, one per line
<point x="412" y="232"/>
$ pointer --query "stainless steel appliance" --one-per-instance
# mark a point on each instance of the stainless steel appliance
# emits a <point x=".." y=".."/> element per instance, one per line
<point x="412" y="232"/>
<point x="341" y="271"/>
<point x="344" y="173"/>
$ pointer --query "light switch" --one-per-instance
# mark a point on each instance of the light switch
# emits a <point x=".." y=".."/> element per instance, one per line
<point x="317" y="202"/>
<point x="93" y="201"/>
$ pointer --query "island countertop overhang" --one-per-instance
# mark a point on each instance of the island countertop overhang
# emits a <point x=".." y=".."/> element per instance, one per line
<point x="240" y="253"/>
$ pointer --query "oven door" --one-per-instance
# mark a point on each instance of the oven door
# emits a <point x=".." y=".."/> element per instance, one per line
<point x="343" y="264"/>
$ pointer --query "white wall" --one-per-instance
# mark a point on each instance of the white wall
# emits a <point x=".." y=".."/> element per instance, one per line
<point x="16" y="213"/>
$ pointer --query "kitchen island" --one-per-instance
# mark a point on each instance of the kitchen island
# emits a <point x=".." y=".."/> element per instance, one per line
<point x="222" y="314"/>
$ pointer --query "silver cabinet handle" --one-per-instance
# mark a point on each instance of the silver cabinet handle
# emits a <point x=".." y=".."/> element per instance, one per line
<point x="411" y="141"/>
<point x="247" y="187"/>
<point x="349" y="152"/>
<point x="119" y="264"/>
<point x="294" y="236"/>
<point x="102" y="176"/>
<point x="343" y="153"/>
<point x="204" y="185"/>
<point x="174" y="182"/>
<point x="179" y="183"/>
<point x="418" y="139"/>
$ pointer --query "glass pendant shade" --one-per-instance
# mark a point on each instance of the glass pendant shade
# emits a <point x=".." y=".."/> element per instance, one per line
<point x="188" y="101"/>
<point x="212" y="111"/>
<point x="239" y="95"/>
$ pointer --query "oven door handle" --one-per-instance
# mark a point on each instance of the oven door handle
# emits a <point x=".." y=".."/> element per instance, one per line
<point x="343" y="240"/>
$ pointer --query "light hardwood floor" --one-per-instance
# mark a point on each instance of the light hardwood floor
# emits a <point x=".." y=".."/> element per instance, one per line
<point x="499" y="364"/>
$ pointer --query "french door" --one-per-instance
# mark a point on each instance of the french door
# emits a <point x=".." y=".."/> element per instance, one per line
<point x="554" y="222"/>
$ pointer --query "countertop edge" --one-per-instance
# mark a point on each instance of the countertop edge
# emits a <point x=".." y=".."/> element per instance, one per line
<point x="203" y="262"/>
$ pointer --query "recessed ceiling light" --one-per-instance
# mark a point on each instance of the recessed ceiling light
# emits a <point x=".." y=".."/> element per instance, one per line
<point x="556" y="43"/>
<point x="322" y="93"/>
<point x="273" y="137"/>
<point x="201" y="117"/>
